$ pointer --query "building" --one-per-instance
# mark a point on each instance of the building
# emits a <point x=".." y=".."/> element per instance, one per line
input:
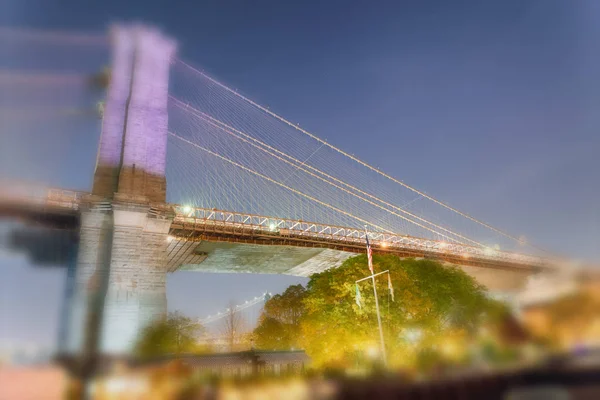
<point x="250" y="362"/>
<point x="237" y="364"/>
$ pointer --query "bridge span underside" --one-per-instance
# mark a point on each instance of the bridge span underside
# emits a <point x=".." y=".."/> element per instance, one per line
<point x="215" y="255"/>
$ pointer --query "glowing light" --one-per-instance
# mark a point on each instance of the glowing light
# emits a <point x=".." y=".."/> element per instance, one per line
<point x="187" y="209"/>
<point x="384" y="244"/>
<point x="413" y="335"/>
<point x="170" y="238"/>
<point x="372" y="351"/>
<point x="272" y="227"/>
<point x="443" y="245"/>
<point x="466" y="255"/>
<point x="450" y="348"/>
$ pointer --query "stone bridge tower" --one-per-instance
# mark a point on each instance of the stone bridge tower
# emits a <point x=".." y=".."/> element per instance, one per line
<point x="119" y="278"/>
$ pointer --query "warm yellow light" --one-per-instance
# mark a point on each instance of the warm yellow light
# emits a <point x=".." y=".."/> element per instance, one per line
<point x="170" y="238"/>
<point x="372" y="351"/>
<point x="384" y="244"/>
<point x="450" y="348"/>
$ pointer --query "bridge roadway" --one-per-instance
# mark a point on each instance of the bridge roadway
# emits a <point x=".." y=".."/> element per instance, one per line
<point x="211" y="240"/>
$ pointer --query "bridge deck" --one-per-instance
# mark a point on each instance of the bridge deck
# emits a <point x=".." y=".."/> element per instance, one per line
<point x="201" y="224"/>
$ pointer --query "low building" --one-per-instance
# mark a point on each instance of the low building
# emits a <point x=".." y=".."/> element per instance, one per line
<point x="243" y="363"/>
<point x="249" y="362"/>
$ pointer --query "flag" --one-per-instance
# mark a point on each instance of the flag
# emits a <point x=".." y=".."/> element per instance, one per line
<point x="357" y="299"/>
<point x="390" y="286"/>
<point x="369" y="252"/>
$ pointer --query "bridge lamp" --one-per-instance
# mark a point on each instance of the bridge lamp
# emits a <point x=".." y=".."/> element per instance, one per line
<point x="465" y="255"/>
<point x="384" y="244"/>
<point x="271" y="227"/>
<point x="187" y="209"/>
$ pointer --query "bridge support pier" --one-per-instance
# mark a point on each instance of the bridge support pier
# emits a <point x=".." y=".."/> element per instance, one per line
<point x="121" y="276"/>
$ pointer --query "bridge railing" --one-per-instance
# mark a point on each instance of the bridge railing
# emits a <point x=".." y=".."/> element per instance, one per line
<point x="312" y="230"/>
<point x="64" y="198"/>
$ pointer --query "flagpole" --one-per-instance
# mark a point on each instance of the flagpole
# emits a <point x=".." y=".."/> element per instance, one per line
<point x="382" y="344"/>
<point x="381" y="341"/>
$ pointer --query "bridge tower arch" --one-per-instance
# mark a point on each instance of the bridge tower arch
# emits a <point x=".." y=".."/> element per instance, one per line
<point x="120" y="274"/>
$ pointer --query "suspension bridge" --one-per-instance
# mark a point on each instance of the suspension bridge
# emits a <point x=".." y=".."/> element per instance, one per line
<point x="248" y="191"/>
<point x="233" y="326"/>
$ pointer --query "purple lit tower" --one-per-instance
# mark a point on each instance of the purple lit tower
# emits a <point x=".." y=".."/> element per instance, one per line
<point x="132" y="151"/>
<point x="110" y="150"/>
<point x="120" y="274"/>
<point x="144" y="155"/>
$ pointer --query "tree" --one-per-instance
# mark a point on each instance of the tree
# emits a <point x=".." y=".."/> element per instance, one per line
<point x="436" y="307"/>
<point x="175" y="335"/>
<point x="233" y="326"/>
<point x="279" y="324"/>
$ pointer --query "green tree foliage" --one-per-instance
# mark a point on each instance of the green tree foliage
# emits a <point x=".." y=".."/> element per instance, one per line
<point x="176" y="334"/>
<point x="436" y="308"/>
<point x="279" y="325"/>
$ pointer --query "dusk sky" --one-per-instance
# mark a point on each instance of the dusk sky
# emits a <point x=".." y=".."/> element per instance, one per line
<point x="491" y="106"/>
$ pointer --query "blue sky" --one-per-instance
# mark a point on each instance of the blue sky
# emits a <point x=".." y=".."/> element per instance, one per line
<point x="490" y="106"/>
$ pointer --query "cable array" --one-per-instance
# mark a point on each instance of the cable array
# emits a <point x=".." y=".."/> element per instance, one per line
<point x="235" y="154"/>
<point x="237" y="308"/>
